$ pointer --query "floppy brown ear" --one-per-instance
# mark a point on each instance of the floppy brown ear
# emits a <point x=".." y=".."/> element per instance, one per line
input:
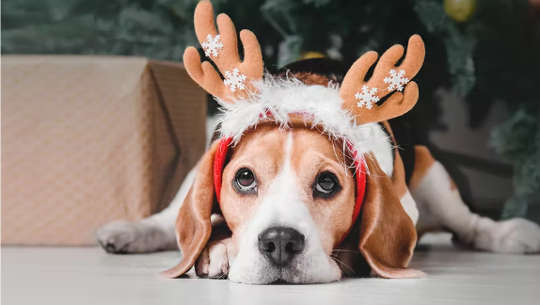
<point x="193" y="226"/>
<point x="387" y="234"/>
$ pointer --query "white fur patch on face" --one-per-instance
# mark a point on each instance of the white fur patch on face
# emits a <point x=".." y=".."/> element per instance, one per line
<point x="282" y="205"/>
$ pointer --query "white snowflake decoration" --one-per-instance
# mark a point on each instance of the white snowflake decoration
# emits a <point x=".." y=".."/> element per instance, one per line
<point x="234" y="80"/>
<point x="367" y="97"/>
<point x="396" y="80"/>
<point x="212" y="45"/>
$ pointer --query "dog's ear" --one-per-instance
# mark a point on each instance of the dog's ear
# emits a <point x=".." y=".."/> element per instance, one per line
<point x="387" y="234"/>
<point x="193" y="226"/>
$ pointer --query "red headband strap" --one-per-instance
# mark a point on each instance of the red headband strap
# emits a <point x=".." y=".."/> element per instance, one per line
<point x="219" y="163"/>
<point x="360" y="168"/>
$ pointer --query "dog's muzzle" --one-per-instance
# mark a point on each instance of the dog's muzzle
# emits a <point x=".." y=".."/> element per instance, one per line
<point x="280" y="245"/>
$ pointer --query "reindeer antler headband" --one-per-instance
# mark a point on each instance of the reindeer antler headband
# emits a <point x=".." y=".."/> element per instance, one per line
<point x="342" y="111"/>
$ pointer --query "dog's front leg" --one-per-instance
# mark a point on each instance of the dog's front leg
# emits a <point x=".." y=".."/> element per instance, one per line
<point x="214" y="260"/>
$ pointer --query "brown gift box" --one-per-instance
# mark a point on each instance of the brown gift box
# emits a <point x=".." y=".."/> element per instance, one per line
<point x="90" y="139"/>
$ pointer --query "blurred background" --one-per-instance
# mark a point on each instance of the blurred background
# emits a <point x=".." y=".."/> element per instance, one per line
<point x="479" y="103"/>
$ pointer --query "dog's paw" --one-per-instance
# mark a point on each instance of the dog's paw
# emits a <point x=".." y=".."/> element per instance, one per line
<point x="116" y="237"/>
<point x="213" y="261"/>
<point x="121" y="237"/>
<point x="517" y="236"/>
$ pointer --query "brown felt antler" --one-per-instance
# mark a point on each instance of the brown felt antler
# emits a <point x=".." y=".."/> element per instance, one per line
<point x="361" y="97"/>
<point x="222" y="47"/>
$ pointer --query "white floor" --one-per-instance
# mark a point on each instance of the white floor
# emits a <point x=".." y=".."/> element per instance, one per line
<point x="89" y="276"/>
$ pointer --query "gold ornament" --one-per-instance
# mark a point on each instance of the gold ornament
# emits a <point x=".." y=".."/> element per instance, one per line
<point x="312" y="54"/>
<point x="460" y="10"/>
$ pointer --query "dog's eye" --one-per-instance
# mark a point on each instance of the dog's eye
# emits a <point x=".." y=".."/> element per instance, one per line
<point x="326" y="185"/>
<point x="244" y="181"/>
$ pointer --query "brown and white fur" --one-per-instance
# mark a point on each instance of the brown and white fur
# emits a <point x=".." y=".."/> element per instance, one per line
<point x="285" y="161"/>
<point x="284" y="210"/>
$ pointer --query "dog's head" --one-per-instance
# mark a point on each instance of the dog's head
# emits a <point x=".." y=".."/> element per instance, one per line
<point x="295" y="163"/>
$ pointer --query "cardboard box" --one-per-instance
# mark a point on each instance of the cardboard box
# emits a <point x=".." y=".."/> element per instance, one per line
<point x="89" y="139"/>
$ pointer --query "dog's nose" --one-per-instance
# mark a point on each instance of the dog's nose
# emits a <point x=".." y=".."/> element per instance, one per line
<point x="281" y="244"/>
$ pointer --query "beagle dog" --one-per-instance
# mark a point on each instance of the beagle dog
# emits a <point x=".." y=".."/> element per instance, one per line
<point x="304" y="181"/>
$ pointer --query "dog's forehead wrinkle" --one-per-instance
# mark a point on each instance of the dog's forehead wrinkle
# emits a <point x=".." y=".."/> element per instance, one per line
<point x="288" y="148"/>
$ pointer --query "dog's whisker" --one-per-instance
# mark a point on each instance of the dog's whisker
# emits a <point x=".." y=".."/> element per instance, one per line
<point x="346" y="250"/>
<point x="341" y="263"/>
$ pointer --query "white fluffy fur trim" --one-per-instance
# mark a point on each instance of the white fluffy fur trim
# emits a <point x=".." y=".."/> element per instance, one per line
<point x="280" y="97"/>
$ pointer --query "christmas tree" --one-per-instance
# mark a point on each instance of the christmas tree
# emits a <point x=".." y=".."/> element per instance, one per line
<point x="484" y="50"/>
